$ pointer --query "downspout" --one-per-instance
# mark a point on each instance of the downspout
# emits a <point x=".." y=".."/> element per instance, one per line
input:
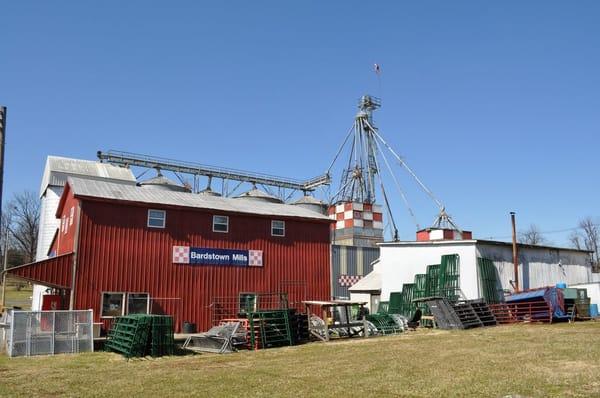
<point x="75" y="254"/>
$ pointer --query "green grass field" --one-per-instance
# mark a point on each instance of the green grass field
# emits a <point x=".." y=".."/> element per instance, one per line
<point x="560" y="360"/>
<point x="18" y="297"/>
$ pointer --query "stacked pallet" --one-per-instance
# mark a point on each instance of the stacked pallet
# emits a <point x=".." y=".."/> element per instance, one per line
<point x="384" y="323"/>
<point x="270" y="329"/>
<point x="141" y="335"/>
<point x="463" y="314"/>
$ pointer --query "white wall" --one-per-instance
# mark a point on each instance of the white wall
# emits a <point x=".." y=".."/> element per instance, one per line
<point x="593" y="291"/>
<point x="48" y="221"/>
<point x="48" y="225"/>
<point x="399" y="263"/>
<point x="539" y="266"/>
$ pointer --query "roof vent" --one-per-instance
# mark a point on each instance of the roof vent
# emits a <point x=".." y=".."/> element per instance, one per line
<point x="259" y="196"/>
<point x="311" y="203"/>
<point x="163" y="183"/>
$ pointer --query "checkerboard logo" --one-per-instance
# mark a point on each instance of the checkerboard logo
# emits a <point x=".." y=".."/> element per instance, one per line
<point x="255" y="258"/>
<point x="348" y="280"/>
<point x="181" y="254"/>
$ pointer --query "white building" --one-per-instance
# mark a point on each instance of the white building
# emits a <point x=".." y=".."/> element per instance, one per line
<point x="56" y="172"/>
<point x="539" y="266"/>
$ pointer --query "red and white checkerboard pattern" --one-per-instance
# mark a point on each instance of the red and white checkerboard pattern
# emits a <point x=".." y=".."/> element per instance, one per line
<point x="255" y="258"/>
<point x="348" y="280"/>
<point x="360" y="215"/>
<point x="181" y="254"/>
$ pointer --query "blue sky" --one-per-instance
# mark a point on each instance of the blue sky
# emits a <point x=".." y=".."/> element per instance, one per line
<point x="494" y="105"/>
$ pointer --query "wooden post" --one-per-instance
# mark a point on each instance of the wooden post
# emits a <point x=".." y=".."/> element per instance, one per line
<point x="326" y="325"/>
<point x="515" y="251"/>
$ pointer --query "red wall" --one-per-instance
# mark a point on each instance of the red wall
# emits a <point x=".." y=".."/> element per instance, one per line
<point x="117" y="252"/>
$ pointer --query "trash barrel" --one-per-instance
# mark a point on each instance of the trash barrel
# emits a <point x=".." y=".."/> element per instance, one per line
<point x="189" y="327"/>
<point x="593" y="310"/>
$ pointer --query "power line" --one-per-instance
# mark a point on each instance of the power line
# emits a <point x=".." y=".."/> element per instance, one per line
<point x="556" y="231"/>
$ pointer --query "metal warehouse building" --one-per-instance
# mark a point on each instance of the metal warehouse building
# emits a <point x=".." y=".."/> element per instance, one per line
<point x="539" y="266"/>
<point x="122" y="248"/>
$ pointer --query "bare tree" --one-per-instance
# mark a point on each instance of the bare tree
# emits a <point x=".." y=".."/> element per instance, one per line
<point x="23" y="216"/>
<point x="532" y="236"/>
<point x="587" y="237"/>
<point x="576" y="240"/>
<point x="591" y="238"/>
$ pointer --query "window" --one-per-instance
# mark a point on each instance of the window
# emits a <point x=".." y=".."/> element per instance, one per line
<point x="277" y="228"/>
<point x="71" y="215"/>
<point x="248" y="302"/>
<point x="65" y="227"/>
<point x="112" y="304"/>
<point x="220" y="224"/>
<point x="138" y="303"/>
<point x="156" y="218"/>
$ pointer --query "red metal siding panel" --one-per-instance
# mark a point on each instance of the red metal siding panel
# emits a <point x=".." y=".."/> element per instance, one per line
<point x="55" y="271"/>
<point x="117" y="252"/>
<point x="65" y="239"/>
<point x="422" y="235"/>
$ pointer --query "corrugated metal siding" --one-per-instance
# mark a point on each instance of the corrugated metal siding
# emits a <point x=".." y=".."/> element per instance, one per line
<point x="118" y="253"/>
<point x="55" y="271"/>
<point x="538" y="267"/>
<point x="351" y="261"/>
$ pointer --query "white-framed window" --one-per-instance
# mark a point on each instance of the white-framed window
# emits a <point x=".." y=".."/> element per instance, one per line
<point x="138" y="303"/>
<point x="221" y="224"/>
<point x="156" y="218"/>
<point x="120" y="303"/>
<point x="113" y="304"/>
<point x="65" y="226"/>
<point x="277" y="228"/>
<point x="71" y="215"/>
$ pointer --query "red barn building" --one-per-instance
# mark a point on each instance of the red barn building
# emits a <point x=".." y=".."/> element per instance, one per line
<point x="122" y="248"/>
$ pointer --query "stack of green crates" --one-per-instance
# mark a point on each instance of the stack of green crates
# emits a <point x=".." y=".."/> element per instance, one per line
<point x="128" y="336"/>
<point x="161" y="340"/>
<point x="384" y="323"/>
<point x="582" y="302"/>
<point x="449" y="277"/>
<point x="270" y="328"/>
<point x="384" y="307"/>
<point x="140" y="335"/>
<point x="432" y="283"/>
<point x="395" y="303"/>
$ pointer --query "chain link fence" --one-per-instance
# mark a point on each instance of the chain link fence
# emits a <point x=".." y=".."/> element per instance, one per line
<point x="49" y="332"/>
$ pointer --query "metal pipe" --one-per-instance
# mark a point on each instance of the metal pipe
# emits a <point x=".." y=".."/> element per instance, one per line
<point x="515" y="251"/>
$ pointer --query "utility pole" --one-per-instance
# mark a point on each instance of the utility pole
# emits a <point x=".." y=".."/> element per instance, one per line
<point x="515" y="251"/>
<point x="4" y="266"/>
<point x="2" y="141"/>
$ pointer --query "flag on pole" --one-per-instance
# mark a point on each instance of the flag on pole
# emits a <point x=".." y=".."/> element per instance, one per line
<point x="377" y="69"/>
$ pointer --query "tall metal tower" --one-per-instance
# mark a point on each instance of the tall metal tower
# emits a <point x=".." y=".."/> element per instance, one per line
<point x="358" y="179"/>
<point x="353" y="206"/>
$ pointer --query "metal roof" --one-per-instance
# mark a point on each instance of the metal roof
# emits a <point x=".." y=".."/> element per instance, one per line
<point x="445" y="242"/>
<point x="162" y="182"/>
<point x="107" y="190"/>
<point x="58" y="169"/>
<point x="257" y="194"/>
<point x="371" y="282"/>
<point x="311" y="200"/>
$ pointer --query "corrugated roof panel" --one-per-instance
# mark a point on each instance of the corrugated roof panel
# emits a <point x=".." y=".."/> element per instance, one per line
<point x="58" y="169"/>
<point x="125" y="192"/>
